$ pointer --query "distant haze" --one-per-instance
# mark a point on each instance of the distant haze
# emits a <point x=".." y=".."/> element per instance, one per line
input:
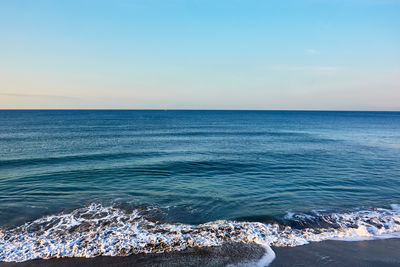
<point x="181" y="54"/>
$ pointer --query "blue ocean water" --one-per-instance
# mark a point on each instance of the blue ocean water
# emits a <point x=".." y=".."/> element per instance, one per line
<point x="197" y="166"/>
<point x="83" y="183"/>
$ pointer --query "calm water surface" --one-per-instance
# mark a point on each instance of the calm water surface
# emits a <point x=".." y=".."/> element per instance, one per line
<point x="197" y="166"/>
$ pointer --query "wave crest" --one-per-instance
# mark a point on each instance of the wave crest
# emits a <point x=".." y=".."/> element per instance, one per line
<point x="109" y="231"/>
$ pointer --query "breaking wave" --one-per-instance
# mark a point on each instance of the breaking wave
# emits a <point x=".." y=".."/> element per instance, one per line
<point x="110" y="231"/>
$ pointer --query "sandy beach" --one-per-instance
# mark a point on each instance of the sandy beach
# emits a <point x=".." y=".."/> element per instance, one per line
<point x="326" y="253"/>
<point x="341" y="253"/>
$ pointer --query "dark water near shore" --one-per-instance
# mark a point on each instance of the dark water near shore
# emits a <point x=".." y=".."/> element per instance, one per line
<point x="198" y="166"/>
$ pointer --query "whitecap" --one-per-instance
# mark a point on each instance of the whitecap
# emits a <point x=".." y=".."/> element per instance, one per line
<point x="109" y="231"/>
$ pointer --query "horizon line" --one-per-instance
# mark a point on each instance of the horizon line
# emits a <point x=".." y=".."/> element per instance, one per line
<point x="177" y="109"/>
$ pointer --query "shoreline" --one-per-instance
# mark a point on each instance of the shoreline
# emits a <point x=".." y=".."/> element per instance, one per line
<point x="380" y="252"/>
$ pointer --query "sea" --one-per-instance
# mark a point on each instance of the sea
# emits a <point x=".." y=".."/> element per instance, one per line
<point x="86" y="183"/>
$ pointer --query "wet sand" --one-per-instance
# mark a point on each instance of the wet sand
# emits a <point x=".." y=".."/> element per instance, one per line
<point x="326" y="253"/>
<point x="208" y="256"/>
<point x="341" y="253"/>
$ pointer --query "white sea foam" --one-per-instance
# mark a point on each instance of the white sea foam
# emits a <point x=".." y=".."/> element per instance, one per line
<point x="96" y="230"/>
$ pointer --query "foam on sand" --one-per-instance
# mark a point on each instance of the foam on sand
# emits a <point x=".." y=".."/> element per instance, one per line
<point x="109" y="231"/>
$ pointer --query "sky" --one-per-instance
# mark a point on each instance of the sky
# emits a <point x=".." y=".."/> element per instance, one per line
<point x="200" y="54"/>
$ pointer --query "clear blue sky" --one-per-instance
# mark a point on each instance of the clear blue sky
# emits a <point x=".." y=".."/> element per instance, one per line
<point x="310" y="54"/>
